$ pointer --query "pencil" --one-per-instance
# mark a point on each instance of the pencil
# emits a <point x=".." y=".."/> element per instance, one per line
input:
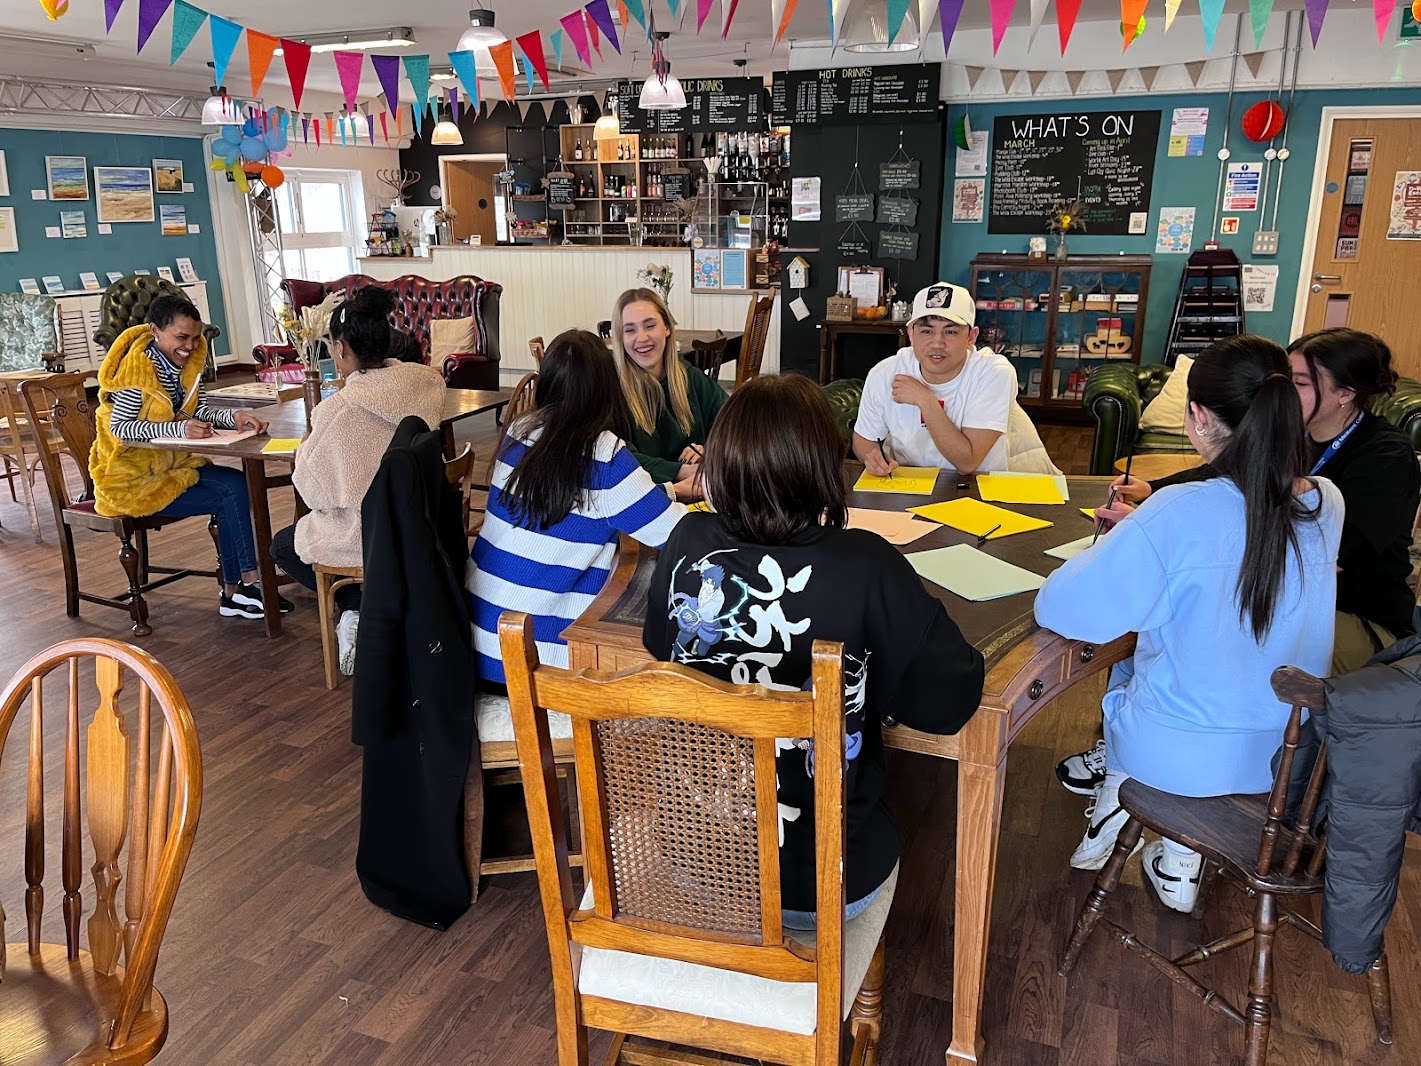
<point x="983" y="538"/>
<point x="884" y="453"/>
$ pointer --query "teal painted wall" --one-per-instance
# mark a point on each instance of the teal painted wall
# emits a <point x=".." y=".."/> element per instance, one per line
<point x="132" y="245"/>
<point x="1189" y="182"/>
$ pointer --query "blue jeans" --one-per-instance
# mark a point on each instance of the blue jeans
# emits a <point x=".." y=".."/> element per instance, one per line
<point x="810" y="919"/>
<point x="222" y="492"/>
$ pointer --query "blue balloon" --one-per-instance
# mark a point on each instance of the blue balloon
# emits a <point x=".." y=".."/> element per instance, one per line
<point x="232" y="134"/>
<point x="251" y="128"/>
<point x="274" y="139"/>
<point x="253" y="150"/>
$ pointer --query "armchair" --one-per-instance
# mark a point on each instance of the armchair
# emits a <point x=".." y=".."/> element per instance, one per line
<point x="125" y="303"/>
<point x="29" y="332"/>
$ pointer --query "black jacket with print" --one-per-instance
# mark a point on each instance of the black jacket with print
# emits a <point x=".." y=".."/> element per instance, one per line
<point x="750" y="614"/>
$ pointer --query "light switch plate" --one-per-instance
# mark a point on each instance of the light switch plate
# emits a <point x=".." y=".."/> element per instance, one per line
<point x="1265" y="242"/>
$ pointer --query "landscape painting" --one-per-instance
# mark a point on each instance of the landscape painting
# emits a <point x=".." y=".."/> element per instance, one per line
<point x="168" y="174"/>
<point x="68" y="177"/>
<point x="124" y="194"/>
<point x="174" y="218"/>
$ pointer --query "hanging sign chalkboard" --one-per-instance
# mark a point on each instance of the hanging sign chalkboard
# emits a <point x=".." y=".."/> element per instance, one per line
<point x="900" y="174"/>
<point x="853" y="244"/>
<point x="676" y="184"/>
<point x="897" y="244"/>
<point x="897" y="211"/>
<point x="712" y="104"/>
<point x="1105" y="157"/>
<point x="855" y="208"/>
<point x="849" y="95"/>
<point x="561" y="192"/>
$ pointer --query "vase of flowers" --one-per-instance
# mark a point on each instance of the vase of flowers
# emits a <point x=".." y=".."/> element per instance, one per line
<point x="1066" y="218"/>
<point x="308" y="333"/>
<point x="659" y="277"/>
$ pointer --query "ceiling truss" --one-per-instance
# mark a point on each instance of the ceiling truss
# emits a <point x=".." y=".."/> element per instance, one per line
<point x="24" y="96"/>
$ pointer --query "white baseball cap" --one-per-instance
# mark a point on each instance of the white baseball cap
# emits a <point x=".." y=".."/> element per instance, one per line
<point x="941" y="300"/>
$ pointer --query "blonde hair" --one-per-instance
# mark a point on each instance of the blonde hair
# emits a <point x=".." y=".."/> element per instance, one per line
<point x="642" y="391"/>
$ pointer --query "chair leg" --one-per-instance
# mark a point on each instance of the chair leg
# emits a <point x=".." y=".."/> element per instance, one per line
<point x="325" y="609"/>
<point x="140" y="537"/>
<point x="1105" y="883"/>
<point x="71" y="570"/>
<point x="217" y="550"/>
<point x="137" y="608"/>
<point x="866" y="1017"/>
<point x="474" y="821"/>
<point x="1379" y="985"/>
<point x="1207" y="873"/>
<point x="1258" y="1016"/>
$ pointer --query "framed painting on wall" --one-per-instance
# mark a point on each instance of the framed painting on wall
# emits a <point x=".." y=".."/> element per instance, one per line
<point x="124" y="194"/>
<point x="9" y="238"/>
<point x="68" y="177"/>
<point x="168" y="175"/>
<point x="4" y="177"/>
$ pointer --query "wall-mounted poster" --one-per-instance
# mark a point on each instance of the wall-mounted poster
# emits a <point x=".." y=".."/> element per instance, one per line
<point x="705" y="269"/>
<point x="969" y="199"/>
<point x="174" y="217"/>
<point x="1404" y="221"/>
<point x="168" y="175"/>
<point x="9" y="238"/>
<point x="1176" y="230"/>
<point x="735" y="268"/>
<point x="124" y="194"/>
<point x="68" y="177"/>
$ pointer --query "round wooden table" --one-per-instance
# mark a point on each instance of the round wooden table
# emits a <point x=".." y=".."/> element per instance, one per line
<point x="1155" y="466"/>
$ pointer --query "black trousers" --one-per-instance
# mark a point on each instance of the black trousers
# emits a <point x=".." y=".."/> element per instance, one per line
<point x="283" y="553"/>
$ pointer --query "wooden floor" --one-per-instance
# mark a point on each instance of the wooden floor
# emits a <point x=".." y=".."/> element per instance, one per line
<point x="274" y="958"/>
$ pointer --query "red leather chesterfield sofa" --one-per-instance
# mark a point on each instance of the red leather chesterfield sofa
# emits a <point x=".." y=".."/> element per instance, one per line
<point x="418" y="301"/>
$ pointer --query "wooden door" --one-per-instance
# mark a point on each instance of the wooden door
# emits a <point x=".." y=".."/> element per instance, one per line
<point x="1362" y="277"/>
<point x="469" y="190"/>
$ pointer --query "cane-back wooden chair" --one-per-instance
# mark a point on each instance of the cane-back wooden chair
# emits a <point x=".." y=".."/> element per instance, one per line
<point x="757" y="334"/>
<point x="679" y="936"/>
<point x="59" y="1002"/>
<point x="1251" y="840"/>
<point x="525" y="400"/>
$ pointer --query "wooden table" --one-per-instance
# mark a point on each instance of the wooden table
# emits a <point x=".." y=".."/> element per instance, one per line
<point x="830" y="332"/>
<point x="288" y="420"/>
<point x="1027" y="667"/>
<point x="1156" y="465"/>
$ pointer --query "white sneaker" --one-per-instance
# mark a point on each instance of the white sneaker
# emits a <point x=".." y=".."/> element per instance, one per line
<point x="1105" y="819"/>
<point x="1175" y="877"/>
<point x="346" y="628"/>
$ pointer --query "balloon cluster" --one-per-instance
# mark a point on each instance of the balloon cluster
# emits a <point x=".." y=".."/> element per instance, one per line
<point x="245" y="149"/>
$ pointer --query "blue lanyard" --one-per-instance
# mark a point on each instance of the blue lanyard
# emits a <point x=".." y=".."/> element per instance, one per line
<point x="1337" y="442"/>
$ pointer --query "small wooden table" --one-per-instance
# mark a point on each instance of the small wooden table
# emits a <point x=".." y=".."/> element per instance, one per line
<point x="830" y="332"/>
<point x="1027" y="668"/>
<point x="1156" y="465"/>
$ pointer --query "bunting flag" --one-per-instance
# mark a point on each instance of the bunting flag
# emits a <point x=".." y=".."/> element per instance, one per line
<point x="150" y="12"/>
<point x="592" y="34"/>
<point x="1038" y="15"/>
<point x="466" y="70"/>
<point x="342" y="124"/>
<point x="1115" y="77"/>
<point x="330" y="129"/>
<point x="1381" y="11"/>
<point x="703" y="9"/>
<point x="502" y="54"/>
<point x="1073" y="79"/>
<point x="348" y="65"/>
<point x="1171" y="9"/>
<point x="1195" y="70"/>
<point x="384" y="126"/>
<point x="1317" y="11"/>
<point x="829" y="4"/>
<point x="297" y="57"/>
<point x="948" y="12"/>
<point x="1259" y="12"/>
<point x="305" y="129"/>
<point x="602" y="18"/>
<point x="555" y="39"/>
<point x="417" y="70"/>
<point x="454" y="107"/>
<point x="532" y="45"/>
<point x="316" y="128"/>
<point x="727" y="12"/>
<point x="974" y="75"/>
<point x="1066" y="12"/>
<point x="1210" y="11"/>
<point x="1148" y="75"/>
<point x="675" y="6"/>
<point x="1131" y="12"/>
<point x="387" y="70"/>
<point x="110" y="13"/>
<point x="1254" y="62"/>
<point x="225" y="35"/>
<point x="635" y="9"/>
<point x="1008" y="77"/>
<point x="187" y="21"/>
<point x="576" y="30"/>
<point x="260" y="49"/>
<point x="1034" y="78"/>
<point x="896" y="9"/>
<point x="369" y="123"/>
<point x="1001" y="17"/>
<point x="782" y="23"/>
<point x="925" y="23"/>
<point x="837" y="18"/>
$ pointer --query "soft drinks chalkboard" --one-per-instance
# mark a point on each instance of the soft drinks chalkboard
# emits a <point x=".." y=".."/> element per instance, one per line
<point x="712" y="105"/>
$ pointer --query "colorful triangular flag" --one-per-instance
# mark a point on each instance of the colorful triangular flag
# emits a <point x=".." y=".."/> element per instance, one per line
<point x="1381" y="11"/>
<point x="1001" y="18"/>
<point x="297" y="57"/>
<point x="1131" y="12"/>
<point x="593" y="34"/>
<point x="555" y="39"/>
<point x="502" y="55"/>
<point x="782" y="23"/>
<point x="225" y="35"/>
<point x="1210" y="11"/>
<point x="532" y="45"/>
<point x="948" y="12"/>
<point x="577" y="32"/>
<point x="260" y="49"/>
<point x="417" y="70"/>
<point x="187" y="21"/>
<point x="1259" y="12"/>
<point x="1066" y="12"/>
<point x="1038" y="15"/>
<point x="387" y="70"/>
<point x="1171" y="9"/>
<point x="111" y="8"/>
<point x="703" y="10"/>
<point x="602" y="17"/>
<point x="727" y="12"/>
<point x="895" y="9"/>
<point x="466" y="70"/>
<point x="635" y="9"/>
<point x="1317" y="11"/>
<point x="348" y="67"/>
<point x="150" y="13"/>
<point x="838" y="17"/>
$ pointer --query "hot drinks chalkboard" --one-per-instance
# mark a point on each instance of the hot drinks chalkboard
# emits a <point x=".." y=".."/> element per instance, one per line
<point x="712" y="104"/>
<point x="848" y="95"/>
<point x="1105" y="157"/>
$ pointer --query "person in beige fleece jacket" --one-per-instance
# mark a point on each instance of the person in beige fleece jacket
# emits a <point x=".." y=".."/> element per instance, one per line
<point x="341" y="455"/>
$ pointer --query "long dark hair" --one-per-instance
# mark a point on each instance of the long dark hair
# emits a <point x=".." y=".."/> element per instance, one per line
<point x="363" y="322"/>
<point x="1245" y="382"/>
<point x="579" y="399"/>
<point x="1356" y="360"/>
<point x="772" y="464"/>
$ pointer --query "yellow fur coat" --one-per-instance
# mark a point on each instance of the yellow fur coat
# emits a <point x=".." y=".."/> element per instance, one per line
<point x="141" y="481"/>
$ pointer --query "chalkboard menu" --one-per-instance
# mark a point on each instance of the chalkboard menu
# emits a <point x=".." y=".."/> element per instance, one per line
<point x="676" y="184"/>
<point x="897" y="244"/>
<point x="1105" y="157"/>
<point x="854" y="208"/>
<point x="712" y="104"/>
<point x="897" y="211"/>
<point x="848" y="95"/>
<point x="900" y="174"/>
<point x="560" y="190"/>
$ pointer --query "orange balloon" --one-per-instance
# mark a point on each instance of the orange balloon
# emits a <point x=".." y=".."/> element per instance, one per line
<point x="1416" y="10"/>
<point x="54" y="8"/>
<point x="273" y="177"/>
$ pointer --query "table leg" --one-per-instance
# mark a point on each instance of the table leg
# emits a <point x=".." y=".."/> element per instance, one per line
<point x="255" y="470"/>
<point x="823" y="356"/>
<point x="979" y="823"/>
<point x="447" y="430"/>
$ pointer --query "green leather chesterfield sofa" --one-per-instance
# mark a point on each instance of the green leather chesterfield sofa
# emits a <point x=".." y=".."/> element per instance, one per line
<point x="1116" y="394"/>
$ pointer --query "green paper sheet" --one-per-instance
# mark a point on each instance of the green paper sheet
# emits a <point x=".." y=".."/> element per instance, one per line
<point x="972" y="574"/>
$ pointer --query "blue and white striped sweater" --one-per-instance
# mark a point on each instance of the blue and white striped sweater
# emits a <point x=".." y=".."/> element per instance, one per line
<point x="128" y="404"/>
<point x="554" y="574"/>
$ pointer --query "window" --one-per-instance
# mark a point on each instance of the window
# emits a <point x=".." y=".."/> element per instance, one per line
<point x="321" y="224"/>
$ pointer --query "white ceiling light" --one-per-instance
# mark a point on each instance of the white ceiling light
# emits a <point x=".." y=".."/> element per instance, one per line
<point x="220" y="109"/>
<point x="657" y="95"/>
<point x="354" y="40"/>
<point x="867" y="31"/>
<point x="607" y="125"/>
<point x="481" y="32"/>
<point x="445" y="132"/>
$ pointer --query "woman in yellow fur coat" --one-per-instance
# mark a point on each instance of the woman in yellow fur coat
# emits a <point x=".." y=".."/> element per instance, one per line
<point x="150" y="386"/>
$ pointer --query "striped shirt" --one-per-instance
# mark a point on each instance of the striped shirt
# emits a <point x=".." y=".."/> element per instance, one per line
<point x="128" y="405"/>
<point x="554" y="574"/>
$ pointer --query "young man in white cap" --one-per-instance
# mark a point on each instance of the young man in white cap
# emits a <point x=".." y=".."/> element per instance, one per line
<point x="942" y="402"/>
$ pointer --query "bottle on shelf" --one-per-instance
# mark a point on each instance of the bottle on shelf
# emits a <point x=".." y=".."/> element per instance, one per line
<point x="577" y="151"/>
<point x="592" y="148"/>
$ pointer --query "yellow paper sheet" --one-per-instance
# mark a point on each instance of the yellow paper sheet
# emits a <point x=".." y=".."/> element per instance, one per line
<point x="896" y="527"/>
<point x="1038" y="489"/>
<point x="1089" y="512"/>
<point x="975" y="517"/>
<point x="912" y="480"/>
<point x="281" y="446"/>
<point x="972" y="574"/>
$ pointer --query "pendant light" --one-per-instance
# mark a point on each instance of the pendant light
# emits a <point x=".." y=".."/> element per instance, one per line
<point x="659" y="95"/>
<point x="607" y="126"/>
<point x="445" y="132"/>
<point x="220" y="109"/>
<point x="481" y="32"/>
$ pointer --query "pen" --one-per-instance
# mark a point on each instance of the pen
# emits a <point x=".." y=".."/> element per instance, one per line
<point x="884" y="453"/>
<point x="1100" y="522"/>
<point x="983" y="538"/>
<point x="1130" y="459"/>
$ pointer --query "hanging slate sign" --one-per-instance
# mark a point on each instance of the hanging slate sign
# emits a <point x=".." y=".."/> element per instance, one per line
<point x="897" y="211"/>
<point x="853" y="244"/>
<point x="561" y="192"/>
<point x="855" y="208"/>
<point x="676" y="184"/>
<point x="893" y="244"/>
<point x="900" y="174"/>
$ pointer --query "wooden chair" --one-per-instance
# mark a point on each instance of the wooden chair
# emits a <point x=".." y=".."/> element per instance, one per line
<point x="536" y="347"/>
<point x="757" y="333"/>
<point x="680" y="824"/>
<point x="707" y="356"/>
<point x="525" y="400"/>
<point x="1248" y="839"/>
<point x="62" y="1003"/>
<point x="60" y="403"/>
<point x="19" y="453"/>
<point x="331" y="579"/>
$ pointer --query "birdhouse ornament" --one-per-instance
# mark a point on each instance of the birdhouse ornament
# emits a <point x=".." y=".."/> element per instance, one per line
<point x="798" y="273"/>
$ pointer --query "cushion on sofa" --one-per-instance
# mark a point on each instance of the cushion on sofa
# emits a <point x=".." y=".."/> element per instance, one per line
<point x="1166" y="412"/>
<point x="451" y="336"/>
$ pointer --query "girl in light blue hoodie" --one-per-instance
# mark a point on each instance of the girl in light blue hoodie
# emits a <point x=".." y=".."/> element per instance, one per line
<point x="1224" y="581"/>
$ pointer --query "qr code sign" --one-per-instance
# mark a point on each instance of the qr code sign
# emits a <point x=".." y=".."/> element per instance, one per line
<point x="1254" y="297"/>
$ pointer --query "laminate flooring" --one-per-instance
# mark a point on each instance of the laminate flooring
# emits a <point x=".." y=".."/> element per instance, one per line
<point x="275" y="958"/>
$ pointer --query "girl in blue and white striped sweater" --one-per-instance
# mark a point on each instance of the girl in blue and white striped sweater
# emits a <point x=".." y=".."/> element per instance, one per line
<point x="563" y="488"/>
